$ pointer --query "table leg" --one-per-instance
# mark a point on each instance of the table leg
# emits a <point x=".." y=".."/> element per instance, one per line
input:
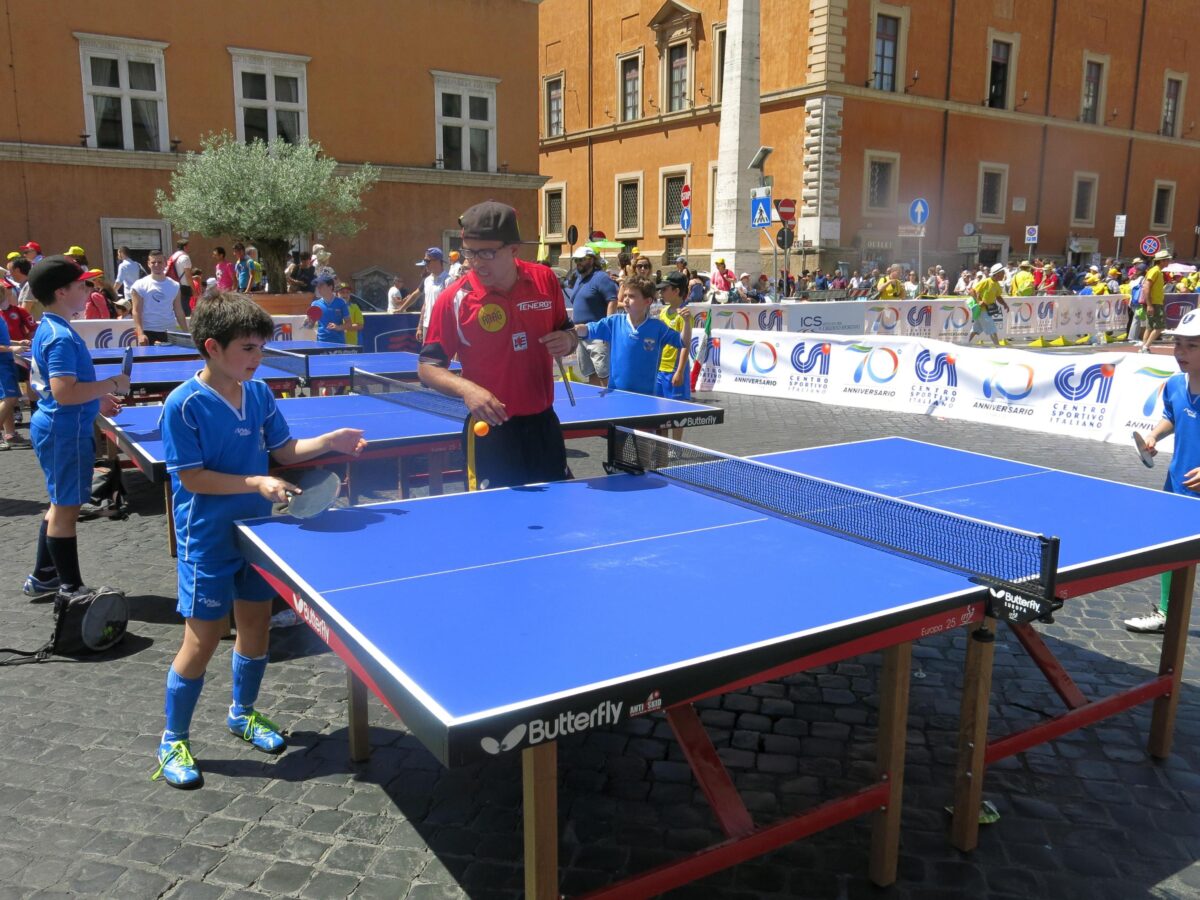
<point x="437" y="469"/>
<point x="1179" y="613"/>
<point x="539" y="773"/>
<point x="972" y="736"/>
<point x="893" y="731"/>
<point x="356" y="705"/>
<point x="170" y="519"/>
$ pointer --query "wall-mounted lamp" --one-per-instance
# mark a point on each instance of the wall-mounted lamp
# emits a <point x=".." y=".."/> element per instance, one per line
<point x="704" y="93"/>
<point x="916" y="77"/>
<point x="175" y="142"/>
<point x="1191" y="125"/>
<point x="1114" y="114"/>
<point x="610" y="115"/>
<point x="1024" y="100"/>
<point x="83" y="139"/>
<point x="871" y="80"/>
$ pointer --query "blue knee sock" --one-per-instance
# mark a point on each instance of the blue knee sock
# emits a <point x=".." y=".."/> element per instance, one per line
<point x="247" y="678"/>
<point x="182" y="695"/>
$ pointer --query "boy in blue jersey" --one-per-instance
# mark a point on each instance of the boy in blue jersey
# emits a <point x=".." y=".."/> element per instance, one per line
<point x="220" y="429"/>
<point x="69" y="399"/>
<point x="10" y="390"/>
<point x="335" y="313"/>
<point x="1181" y="417"/>
<point x="635" y="341"/>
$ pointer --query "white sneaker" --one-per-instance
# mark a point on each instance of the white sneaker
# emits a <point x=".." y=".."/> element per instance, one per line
<point x="1155" y="623"/>
<point x="285" y="618"/>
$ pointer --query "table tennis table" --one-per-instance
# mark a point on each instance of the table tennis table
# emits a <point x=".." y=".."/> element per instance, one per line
<point x="471" y="643"/>
<point x="170" y="352"/>
<point x="393" y="431"/>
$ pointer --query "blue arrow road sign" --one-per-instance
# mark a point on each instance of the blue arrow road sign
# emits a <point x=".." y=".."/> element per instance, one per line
<point x="918" y="211"/>
<point x="685" y="220"/>
<point x="760" y="212"/>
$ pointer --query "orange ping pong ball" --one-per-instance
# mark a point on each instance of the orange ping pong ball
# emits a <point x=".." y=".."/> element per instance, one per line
<point x="481" y="428"/>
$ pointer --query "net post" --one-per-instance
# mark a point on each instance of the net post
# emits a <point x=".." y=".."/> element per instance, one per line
<point x="181" y="339"/>
<point x="1049" y="566"/>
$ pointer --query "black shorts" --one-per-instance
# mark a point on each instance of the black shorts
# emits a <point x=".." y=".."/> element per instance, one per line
<point x="524" y="450"/>
<point x="185" y="296"/>
<point x="156" y="337"/>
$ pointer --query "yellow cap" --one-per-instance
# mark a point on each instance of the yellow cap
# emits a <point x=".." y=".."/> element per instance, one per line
<point x="15" y="254"/>
<point x="75" y="250"/>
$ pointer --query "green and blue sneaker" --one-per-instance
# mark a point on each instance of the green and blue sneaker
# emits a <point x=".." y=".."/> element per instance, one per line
<point x="176" y="765"/>
<point x="257" y="729"/>
<point x="36" y="589"/>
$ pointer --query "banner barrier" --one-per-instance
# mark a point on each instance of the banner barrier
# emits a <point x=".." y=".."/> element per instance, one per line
<point x="106" y="333"/>
<point x="1100" y="396"/>
<point x="944" y="318"/>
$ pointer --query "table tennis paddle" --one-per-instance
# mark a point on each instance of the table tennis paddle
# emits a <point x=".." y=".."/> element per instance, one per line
<point x="313" y="315"/>
<point x="1143" y="453"/>
<point x="318" y="490"/>
<point x="562" y="371"/>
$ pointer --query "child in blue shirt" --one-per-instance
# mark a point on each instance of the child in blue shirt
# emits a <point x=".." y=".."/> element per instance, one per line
<point x="335" y="313"/>
<point x="220" y="430"/>
<point x="635" y="341"/>
<point x="10" y="390"/>
<point x="1181" y="417"/>
<point x="69" y="399"/>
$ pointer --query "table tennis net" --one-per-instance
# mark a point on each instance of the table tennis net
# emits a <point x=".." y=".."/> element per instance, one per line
<point x="287" y="361"/>
<point x="181" y="339"/>
<point x="1018" y="561"/>
<point x="407" y="394"/>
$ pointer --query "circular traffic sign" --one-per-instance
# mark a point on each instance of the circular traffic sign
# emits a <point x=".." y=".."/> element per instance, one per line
<point x="685" y="195"/>
<point x="784" y="238"/>
<point x="1150" y="245"/>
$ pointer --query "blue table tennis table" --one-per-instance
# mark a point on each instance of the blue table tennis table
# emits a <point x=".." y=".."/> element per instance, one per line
<point x="319" y="371"/>
<point x="394" y="431"/>
<point x="170" y="352"/>
<point x="475" y="645"/>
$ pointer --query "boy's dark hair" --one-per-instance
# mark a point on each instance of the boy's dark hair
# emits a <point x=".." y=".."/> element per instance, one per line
<point x="22" y="264"/>
<point x="220" y="251"/>
<point x="239" y="246"/>
<point x="154" y="253"/>
<point x="225" y="316"/>
<point x="642" y="284"/>
<point x="123" y="249"/>
<point x="180" y="245"/>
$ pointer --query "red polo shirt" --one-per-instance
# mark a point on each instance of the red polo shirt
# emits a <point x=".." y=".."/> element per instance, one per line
<point x="20" y="322"/>
<point x="496" y="336"/>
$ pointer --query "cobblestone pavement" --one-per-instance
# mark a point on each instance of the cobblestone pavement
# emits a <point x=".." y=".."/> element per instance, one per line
<point x="1089" y="815"/>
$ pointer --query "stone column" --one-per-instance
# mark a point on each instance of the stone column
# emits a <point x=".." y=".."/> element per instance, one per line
<point x="733" y="238"/>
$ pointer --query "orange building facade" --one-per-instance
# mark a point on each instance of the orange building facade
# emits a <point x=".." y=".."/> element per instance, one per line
<point x="1001" y="114"/>
<point x="98" y="101"/>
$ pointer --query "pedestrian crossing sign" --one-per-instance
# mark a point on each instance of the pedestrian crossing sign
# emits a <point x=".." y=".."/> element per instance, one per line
<point x="760" y="212"/>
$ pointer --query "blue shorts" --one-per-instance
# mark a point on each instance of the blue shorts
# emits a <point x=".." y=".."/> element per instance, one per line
<point x="8" y="379"/>
<point x="664" y="388"/>
<point x="66" y="459"/>
<point x="207" y="588"/>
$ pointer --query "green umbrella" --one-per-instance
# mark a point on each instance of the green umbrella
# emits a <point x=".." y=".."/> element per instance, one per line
<point x="605" y="245"/>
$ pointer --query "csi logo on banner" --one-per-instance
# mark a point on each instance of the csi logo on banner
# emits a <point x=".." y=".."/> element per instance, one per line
<point x="805" y="358"/>
<point x="1078" y="408"/>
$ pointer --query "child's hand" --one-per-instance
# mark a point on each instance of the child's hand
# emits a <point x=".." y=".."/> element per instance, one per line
<point x="347" y="441"/>
<point x="110" y="405"/>
<point x="1191" y="480"/>
<point x="677" y="379"/>
<point x="1152" y="446"/>
<point x="275" y="489"/>
<point x="120" y="383"/>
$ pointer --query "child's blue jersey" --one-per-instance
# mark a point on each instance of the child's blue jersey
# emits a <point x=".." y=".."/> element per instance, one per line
<point x="57" y="352"/>
<point x="1182" y="409"/>
<point x="202" y="430"/>
<point x="634" y="353"/>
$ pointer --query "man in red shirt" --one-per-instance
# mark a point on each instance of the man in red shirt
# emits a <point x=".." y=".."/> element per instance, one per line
<point x="504" y="321"/>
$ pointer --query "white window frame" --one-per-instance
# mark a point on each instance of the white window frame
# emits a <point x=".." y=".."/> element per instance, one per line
<point x="1076" y="178"/>
<point x="993" y="168"/>
<point x="689" y="99"/>
<point x="879" y="8"/>
<point x="1160" y="183"/>
<point x="870" y="156"/>
<point x="1105" y="62"/>
<point x="717" y="92"/>
<point x="561" y="78"/>
<point x="269" y="64"/>
<point x="665" y="172"/>
<point x="549" y="188"/>
<point x="1013" y="39"/>
<point x="640" y="55"/>
<point x="628" y="178"/>
<point x="711" y="196"/>
<point x="125" y="51"/>
<point x="1182" y="77"/>
<point x="465" y="86"/>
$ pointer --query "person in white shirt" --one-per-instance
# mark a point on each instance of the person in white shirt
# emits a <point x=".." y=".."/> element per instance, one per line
<point x="157" y="307"/>
<point x="128" y="271"/>
<point x="179" y="268"/>
<point x="437" y="279"/>
<point x="396" y="295"/>
<point x="457" y="268"/>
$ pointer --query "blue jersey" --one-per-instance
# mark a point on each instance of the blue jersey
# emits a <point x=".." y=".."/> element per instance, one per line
<point x="634" y="353"/>
<point x="1182" y="409"/>
<point x="591" y="296"/>
<point x="202" y="430"/>
<point x="333" y="312"/>
<point x="6" y="357"/>
<point x="59" y="352"/>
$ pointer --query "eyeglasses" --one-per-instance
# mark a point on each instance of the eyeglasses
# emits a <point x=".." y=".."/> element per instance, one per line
<point x="642" y="265"/>
<point x="479" y="254"/>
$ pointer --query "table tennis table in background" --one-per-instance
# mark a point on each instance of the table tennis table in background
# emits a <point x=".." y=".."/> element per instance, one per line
<point x="405" y="432"/>
<point x="182" y="347"/>
<point x="471" y="643"/>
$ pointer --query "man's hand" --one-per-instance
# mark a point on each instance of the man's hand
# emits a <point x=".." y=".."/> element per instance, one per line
<point x="483" y="405"/>
<point x="110" y="405"/>
<point x="560" y="343"/>
<point x="420" y="335"/>
<point x="143" y="340"/>
<point x="275" y="489"/>
<point x="347" y="441"/>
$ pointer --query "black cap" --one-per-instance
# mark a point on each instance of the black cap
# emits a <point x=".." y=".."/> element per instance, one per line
<point x="676" y="280"/>
<point x="490" y="221"/>
<point x="52" y="273"/>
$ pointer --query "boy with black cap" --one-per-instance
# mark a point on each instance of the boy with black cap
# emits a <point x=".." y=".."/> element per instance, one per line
<point x="70" y="398"/>
<point x="504" y="320"/>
